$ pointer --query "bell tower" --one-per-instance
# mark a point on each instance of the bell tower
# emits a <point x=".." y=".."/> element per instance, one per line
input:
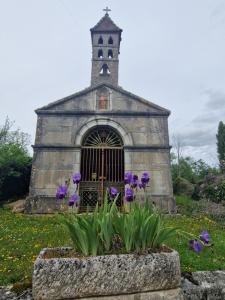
<point x="106" y="38"/>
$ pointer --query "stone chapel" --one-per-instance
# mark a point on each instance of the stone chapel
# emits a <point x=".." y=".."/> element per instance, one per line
<point x="101" y="132"/>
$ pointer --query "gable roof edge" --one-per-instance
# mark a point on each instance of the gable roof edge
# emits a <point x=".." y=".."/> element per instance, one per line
<point x="93" y="87"/>
<point x="64" y="99"/>
<point x="143" y="100"/>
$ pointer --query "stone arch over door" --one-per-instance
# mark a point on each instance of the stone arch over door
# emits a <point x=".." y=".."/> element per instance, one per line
<point x="126" y="136"/>
<point x="84" y="129"/>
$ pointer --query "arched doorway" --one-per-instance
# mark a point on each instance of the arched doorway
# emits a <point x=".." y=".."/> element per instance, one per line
<point x="102" y="165"/>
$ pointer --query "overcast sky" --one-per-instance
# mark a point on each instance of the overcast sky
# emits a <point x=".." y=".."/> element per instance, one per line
<point x="172" y="53"/>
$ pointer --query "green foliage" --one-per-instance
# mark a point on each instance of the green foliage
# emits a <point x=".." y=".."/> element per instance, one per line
<point x="192" y="174"/>
<point x="215" y="192"/>
<point x="15" y="163"/>
<point x="142" y="228"/>
<point x="186" y="205"/>
<point x="209" y="259"/>
<point x="92" y="234"/>
<point x="139" y="230"/>
<point x="15" y="137"/>
<point x="221" y="145"/>
<point x="22" y="237"/>
<point x="190" y="169"/>
<point x="182" y="186"/>
<point x="15" y="167"/>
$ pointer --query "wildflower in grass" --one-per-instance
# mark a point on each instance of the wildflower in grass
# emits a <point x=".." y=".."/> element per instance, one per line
<point x="195" y="245"/>
<point x="61" y="192"/>
<point x="128" y="177"/>
<point x="76" y="178"/>
<point x="74" y="201"/>
<point x="145" y="177"/>
<point x="113" y="192"/>
<point x="129" y="195"/>
<point x="204" y="237"/>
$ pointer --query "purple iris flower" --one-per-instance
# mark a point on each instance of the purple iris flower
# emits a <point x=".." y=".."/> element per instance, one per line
<point x="113" y="192"/>
<point x="61" y="192"/>
<point x="195" y="245"/>
<point x="76" y="178"/>
<point x="74" y="200"/>
<point x="129" y="195"/>
<point x="134" y="181"/>
<point x="128" y="177"/>
<point x="145" y="177"/>
<point x="204" y="236"/>
<point x="141" y="185"/>
<point x="135" y="177"/>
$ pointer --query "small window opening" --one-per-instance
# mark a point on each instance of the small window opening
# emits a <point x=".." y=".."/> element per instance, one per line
<point x="100" y="53"/>
<point x="105" y="70"/>
<point x="100" y="41"/>
<point x="110" y="41"/>
<point x="110" y="54"/>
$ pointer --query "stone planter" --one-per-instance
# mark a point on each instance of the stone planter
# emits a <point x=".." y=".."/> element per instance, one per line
<point x="152" y="276"/>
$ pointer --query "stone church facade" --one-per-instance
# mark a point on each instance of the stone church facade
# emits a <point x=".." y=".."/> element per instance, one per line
<point x="102" y="132"/>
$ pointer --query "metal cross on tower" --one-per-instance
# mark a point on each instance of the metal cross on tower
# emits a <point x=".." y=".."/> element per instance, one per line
<point x="106" y="10"/>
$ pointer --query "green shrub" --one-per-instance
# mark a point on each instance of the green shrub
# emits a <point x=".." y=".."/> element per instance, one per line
<point x="182" y="186"/>
<point x="15" y="162"/>
<point x="186" y="205"/>
<point x="140" y="229"/>
<point x="92" y="234"/>
<point x="15" y="169"/>
<point x="215" y="192"/>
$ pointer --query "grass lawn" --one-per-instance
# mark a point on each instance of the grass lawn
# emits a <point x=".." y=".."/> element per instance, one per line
<point x="22" y="237"/>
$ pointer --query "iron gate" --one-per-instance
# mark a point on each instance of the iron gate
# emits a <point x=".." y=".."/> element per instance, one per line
<point x="102" y="166"/>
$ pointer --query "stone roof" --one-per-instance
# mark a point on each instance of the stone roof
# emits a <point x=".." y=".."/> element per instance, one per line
<point x="106" y="24"/>
<point x="94" y="87"/>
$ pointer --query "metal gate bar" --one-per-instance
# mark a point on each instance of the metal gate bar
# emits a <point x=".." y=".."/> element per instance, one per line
<point x="100" y="169"/>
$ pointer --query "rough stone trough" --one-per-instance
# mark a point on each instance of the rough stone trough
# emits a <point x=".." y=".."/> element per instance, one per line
<point x="124" y="276"/>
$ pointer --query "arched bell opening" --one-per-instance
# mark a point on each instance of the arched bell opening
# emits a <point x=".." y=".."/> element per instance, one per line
<point x="100" y="53"/>
<point x="104" y="70"/>
<point x="100" y="41"/>
<point x="110" y="53"/>
<point x="110" y="41"/>
<point x="102" y="166"/>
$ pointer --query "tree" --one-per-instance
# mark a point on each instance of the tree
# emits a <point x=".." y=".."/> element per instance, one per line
<point x="178" y="147"/>
<point x="15" y="162"/>
<point x="15" y="168"/>
<point x="221" y="145"/>
<point x="16" y="137"/>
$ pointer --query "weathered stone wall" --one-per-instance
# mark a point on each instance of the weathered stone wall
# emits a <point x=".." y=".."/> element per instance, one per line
<point x="113" y="63"/>
<point x="61" y="127"/>
<point x="52" y="167"/>
<point x="62" y="130"/>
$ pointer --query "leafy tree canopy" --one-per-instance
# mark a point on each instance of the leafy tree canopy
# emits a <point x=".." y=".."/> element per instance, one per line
<point x="190" y="169"/>
<point x="15" y="162"/>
